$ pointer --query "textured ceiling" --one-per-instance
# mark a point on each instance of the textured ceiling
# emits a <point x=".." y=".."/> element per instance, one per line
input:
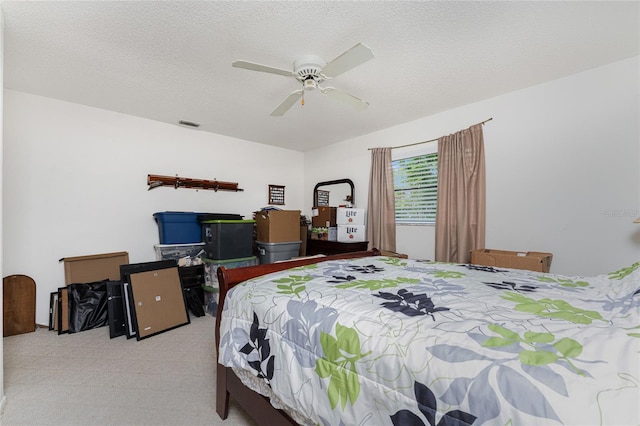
<point x="171" y="61"/>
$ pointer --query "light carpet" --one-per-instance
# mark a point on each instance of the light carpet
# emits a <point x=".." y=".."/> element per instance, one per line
<point x="86" y="378"/>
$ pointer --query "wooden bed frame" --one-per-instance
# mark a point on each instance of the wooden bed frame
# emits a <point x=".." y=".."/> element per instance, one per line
<point x="227" y="383"/>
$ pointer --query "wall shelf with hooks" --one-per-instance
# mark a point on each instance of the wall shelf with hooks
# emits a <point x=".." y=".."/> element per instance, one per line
<point x="155" y="181"/>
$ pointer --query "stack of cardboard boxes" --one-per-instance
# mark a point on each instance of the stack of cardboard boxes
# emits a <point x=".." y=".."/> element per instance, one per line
<point x="277" y="235"/>
<point x="341" y="224"/>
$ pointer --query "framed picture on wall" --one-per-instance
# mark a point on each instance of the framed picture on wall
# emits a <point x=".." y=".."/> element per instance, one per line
<point x="323" y="197"/>
<point x="276" y="195"/>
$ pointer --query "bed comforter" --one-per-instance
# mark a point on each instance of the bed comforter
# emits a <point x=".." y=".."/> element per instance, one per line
<point x="388" y="341"/>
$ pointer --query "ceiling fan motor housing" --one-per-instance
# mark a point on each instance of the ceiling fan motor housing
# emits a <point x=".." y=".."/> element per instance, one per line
<point x="308" y="70"/>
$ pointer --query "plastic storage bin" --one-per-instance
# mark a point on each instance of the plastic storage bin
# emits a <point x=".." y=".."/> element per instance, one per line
<point x="178" y="227"/>
<point x="211" y="303"/>
<point x="211" y="287"/>
<point x="273" y="252"/>
<point x="211" y="268"/>
<point x="177" y="251"/>
<point x="228" y="239"/>
<point x="218" y="216"/>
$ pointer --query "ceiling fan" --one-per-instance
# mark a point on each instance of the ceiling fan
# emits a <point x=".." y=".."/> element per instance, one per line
<point x="311" y="70"/>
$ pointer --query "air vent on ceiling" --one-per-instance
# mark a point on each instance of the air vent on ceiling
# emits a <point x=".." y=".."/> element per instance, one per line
<point x="188" y="123"/>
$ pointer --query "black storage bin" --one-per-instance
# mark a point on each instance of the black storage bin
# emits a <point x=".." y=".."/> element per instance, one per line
<point x="201" y="217"/>
<point x="192" y="276"/>
<point x="228" y="239"/>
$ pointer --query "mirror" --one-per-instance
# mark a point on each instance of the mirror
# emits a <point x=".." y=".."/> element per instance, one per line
<point x="334" y="193"/>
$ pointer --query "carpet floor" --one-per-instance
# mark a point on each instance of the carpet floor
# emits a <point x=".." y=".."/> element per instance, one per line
<point x="87" y="378"/>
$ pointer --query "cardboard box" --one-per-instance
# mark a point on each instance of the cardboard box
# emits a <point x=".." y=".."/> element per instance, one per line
<point x="531" y="260"/>
<point x="352" y="233"/>
<point x="349" y="216"/>
<point x="323" y="216"/>
<point x="304" y="231"/>
<point x="393" y="254"/>
<point x="92" y="268"/>
<point x="277" y="226"/>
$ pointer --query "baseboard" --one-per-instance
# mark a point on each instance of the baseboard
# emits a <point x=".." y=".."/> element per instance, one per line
<point x="3" y="402"/>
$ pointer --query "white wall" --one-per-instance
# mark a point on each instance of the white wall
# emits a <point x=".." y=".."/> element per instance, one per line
<point x="2" y="397"/>
<point x="562" y="176"/>
<point x="75" y="183"/>
<point x="562" y="168"/>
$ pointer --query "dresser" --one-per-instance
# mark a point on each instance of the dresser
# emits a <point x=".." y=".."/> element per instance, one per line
<point x="333" y="247"/>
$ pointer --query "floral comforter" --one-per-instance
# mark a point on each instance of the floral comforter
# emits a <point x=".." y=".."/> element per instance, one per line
<point x="388" y="341"/>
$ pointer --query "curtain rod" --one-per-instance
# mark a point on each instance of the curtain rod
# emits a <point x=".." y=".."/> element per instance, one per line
<point x="432" y="140"/>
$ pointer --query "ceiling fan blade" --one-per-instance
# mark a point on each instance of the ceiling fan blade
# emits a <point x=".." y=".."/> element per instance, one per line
<point x="262" y="68"/>
<point x="287" y="103"/>
<point x="345" y="98"/>
<point x="353" y="57"/>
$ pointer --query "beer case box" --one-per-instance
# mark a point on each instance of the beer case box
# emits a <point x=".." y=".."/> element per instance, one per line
<point x="277" y="226"/>
<point x="323" y="217"/>
<point x="351" y="233"/>
<point x="530" y="260"/>
<point x="350" y="216"/>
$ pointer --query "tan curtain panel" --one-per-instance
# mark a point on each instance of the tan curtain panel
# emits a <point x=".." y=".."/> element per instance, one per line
<point x="460" y="215"/>
<point x="381" y="210"/>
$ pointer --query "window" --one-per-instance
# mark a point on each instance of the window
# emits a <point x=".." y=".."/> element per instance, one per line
<point x="415" y="183"/>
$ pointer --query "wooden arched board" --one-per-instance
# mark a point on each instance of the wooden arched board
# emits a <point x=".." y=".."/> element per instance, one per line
<point x="19" y="305"/>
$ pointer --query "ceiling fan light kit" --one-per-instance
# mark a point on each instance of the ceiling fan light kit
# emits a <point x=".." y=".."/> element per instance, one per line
<point x="311" y="71"/>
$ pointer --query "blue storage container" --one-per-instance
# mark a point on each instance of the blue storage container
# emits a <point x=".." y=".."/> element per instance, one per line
<point x="178" y="227"/>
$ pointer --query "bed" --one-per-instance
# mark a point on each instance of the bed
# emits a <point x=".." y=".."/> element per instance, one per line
<point x="364" y="339"/>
